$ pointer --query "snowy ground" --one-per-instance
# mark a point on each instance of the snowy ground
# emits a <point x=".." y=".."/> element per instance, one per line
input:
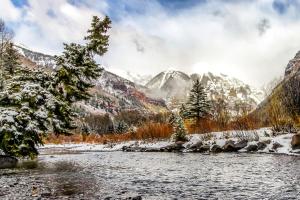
<point x="219" y="138"/>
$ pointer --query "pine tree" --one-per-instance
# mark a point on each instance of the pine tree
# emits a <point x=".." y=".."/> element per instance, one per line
<point x="183" y="111"/>
<point x="76" y="71"/>
<point x="10" y="60"/>
<point x="179" y="132"/>
<point x="97" y="36"/>
<point x="121" y="127"/>
<point x="25" y="107"/>
<point x="198" y="106"/>
<point x="34" y="102"/>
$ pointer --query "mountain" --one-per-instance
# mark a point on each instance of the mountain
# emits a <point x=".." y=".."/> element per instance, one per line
<point x="133" y="77"/>
<point x="293" y="67"/>
<point x="169" y="84"/>
<point x="111" y="93"/>
<point x="174" y="87"/>
<point x="39" y="59"/>
<point x="284" y="99"/>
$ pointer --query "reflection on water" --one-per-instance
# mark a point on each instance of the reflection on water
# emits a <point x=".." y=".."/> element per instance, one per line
<point x="119" y="175"/>
<point x="29" y="164"/>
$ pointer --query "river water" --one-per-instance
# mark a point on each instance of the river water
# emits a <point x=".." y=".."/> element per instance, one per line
<point x="120" y="175"/>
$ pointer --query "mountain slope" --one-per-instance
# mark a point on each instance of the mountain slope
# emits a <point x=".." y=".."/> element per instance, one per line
<point x="284" y="99"/>
<point x="39" y="59"/>
<point x="174" y="87"/>
<point x="170" y="84"/>
<point x="111" y="93"/>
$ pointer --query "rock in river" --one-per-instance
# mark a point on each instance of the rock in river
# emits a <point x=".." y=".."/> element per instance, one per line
<point x="8" y="161"/>
<point x="216" y="148"/>
<point x="296" y="141"/>
<point x="176" y="147"/>
<point x="230" y="146"/>
<point x="252" y="147"/>
<point x="241" y="144"/>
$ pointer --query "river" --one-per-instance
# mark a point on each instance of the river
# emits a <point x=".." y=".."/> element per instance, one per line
<point x="120" y="175"/>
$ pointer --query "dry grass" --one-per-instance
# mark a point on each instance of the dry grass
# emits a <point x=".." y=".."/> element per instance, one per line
<point x="209" y="125"/>
<point x="202" y="126"/>
<point x="148" y="131"/>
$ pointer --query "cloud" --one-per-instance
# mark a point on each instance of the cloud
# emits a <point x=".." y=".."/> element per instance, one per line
<point x="46" y="25"/>
<point x="245" y="39"/>
<point x="250" y="40"/>
<point x="263" y="26"/>
<point x="8" y="12"/>
<point x="139" y="47"/>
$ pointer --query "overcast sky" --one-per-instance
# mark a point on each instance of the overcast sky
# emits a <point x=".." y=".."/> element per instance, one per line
<point x="247" y="39"/>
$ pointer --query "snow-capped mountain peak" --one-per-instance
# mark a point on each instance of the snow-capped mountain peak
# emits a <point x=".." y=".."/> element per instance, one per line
<point x="133" y="77"/>
<point x="167" y="78"/>
<point x="174" y="86"/>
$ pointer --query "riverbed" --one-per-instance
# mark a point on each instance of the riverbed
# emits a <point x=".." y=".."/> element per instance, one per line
<point x="136" y="175"/>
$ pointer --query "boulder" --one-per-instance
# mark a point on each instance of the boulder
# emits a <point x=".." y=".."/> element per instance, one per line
<point x="261" y="145"/>
<point x="216" y="148"/>
<point x="7" y="162"/>
<point x="276" y="145"/>
<point x="200" y="149"/>
<point x="241" y="144"/>
<point x="196" y="145"/>
<point x="252" y="147"/>
<point x="151" y="149"/>
<point x="296" y="141"/>
<point x="132" y="149"/>
<point x="229" y="146"/>
<point x="268" y="141"/>
<point x="204" y="148"/>
<point x="176" y="147"/>
<point x="134" y="198"/>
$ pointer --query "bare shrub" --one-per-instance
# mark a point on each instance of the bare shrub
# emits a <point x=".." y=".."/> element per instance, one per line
<point x="148" y="131"/>
<point x="207" y="137"/>
<point x="280" y="119"/>
<point x="246" y="135"/>
<point x="226" y="135"/>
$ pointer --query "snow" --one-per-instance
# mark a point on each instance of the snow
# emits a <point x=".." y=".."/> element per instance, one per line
<point x="138" y="79"/>
<point x="285" y="141"/>
<point x="218" y="138"/>
<point x="172" y="84"/>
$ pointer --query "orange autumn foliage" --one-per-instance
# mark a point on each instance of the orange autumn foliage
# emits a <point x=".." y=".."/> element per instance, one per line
<point x="148" y="131"/>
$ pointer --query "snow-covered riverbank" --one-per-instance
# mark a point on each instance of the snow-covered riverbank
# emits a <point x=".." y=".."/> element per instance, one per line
<point x="261" y="141"/>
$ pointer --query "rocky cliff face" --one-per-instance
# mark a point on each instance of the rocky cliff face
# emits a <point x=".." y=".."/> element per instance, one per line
<point x="293" y="67"/>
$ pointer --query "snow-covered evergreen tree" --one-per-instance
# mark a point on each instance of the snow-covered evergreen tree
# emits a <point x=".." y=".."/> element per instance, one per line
<point x="25" y="107"/>
<point x="76" y="71"/>
<point x="10" y="61"/>
<point x="121" y="127"/>
<point x="183" y="111"/>
<point x="97" y="36"/>
<point x="35" y="102"/>
<point x="179" y="132"/>
<point x="85" y="128"/>
<point x="198" y="106"/>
